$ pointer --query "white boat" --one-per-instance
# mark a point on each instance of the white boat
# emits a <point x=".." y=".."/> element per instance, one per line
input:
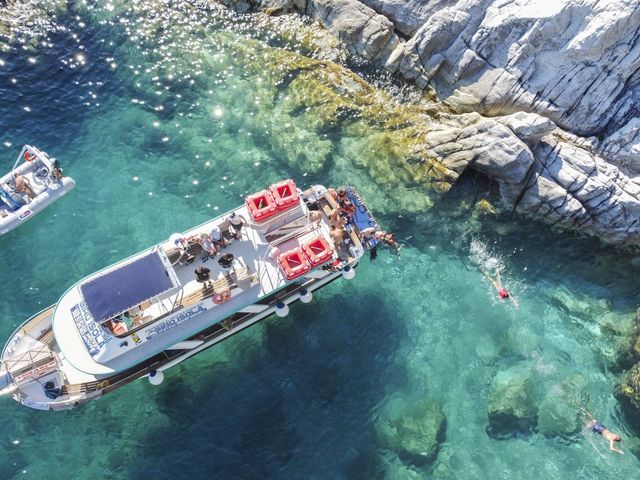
<point x="82" y="347"/>
<point x="45" y="184"/>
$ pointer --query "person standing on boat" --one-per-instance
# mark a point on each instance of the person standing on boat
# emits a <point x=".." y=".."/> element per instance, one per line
<point x="348" y="211"/>
<point x="236" y="222"/>
<point x="202" y="276"/>
<point x="24" y="186"/>
<point x="502" y="292"/>
<point x="337" y="235"/>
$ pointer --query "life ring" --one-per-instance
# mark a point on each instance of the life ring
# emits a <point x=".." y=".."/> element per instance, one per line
<point x="29" y="157"/>
<point x="222" y="297"/>
<point x="103" y="384"/>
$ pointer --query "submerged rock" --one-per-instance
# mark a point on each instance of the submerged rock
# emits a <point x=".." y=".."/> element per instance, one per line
<point x="522" y="341"/>
<point x="510" y="407"/>
<point x="627" y="391"/>
<point x="486" y="349"/>
<point x="557" y="413"/>
<point x="626" y="352"/>
<point x="416" y="433"/>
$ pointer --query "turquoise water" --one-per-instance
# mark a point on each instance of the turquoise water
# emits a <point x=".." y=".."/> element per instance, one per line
<point x="163" y="119"/>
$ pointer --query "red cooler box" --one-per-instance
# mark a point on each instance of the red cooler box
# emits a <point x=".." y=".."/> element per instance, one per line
<point x="261" y="206"/>
<point x="285" y="194"/>
<point x="293" y="263"/>
<point x="318" y="250"/>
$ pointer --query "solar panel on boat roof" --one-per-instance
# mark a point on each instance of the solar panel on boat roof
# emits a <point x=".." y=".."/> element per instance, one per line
<point x="127" y="286"/>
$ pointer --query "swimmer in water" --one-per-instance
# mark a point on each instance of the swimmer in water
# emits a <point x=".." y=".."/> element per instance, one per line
<point x="502" y="292"/>
<point x="597" y="427"/>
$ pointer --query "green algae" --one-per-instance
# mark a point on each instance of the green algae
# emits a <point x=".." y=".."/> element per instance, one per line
<point x="313" y="113"/>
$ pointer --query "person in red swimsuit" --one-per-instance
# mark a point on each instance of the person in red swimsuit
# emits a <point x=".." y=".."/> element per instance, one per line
<point x="502" y="292"/>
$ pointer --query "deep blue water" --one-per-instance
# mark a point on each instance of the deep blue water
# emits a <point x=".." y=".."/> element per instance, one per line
<point x="159" y="116"/>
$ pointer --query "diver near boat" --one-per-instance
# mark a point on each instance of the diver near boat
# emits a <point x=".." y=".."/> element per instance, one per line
<point x="502" y="291"/>
<point x="386" y="238"/>
<point x="597" y="427"/>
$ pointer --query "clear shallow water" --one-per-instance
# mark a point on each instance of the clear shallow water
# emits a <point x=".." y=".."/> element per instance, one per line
<point x="176" y="135"/>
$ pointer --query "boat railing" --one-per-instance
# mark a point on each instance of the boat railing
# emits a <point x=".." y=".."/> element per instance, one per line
<point x="28" y="325"/>
<point x="28" y="361"/>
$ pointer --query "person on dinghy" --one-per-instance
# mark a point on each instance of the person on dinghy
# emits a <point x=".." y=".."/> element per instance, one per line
<point x="23" y="185"/>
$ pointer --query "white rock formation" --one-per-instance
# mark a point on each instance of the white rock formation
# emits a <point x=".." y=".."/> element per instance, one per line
<point x="527" y="66"/>
<point x="574" y="62"/>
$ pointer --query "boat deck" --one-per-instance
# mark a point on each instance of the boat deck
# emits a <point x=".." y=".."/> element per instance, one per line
<point x="253" y="275"/>
<point x="62" y="356"/>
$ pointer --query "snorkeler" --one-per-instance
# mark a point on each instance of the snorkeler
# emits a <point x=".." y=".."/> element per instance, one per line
<point x="597" y="427"/>
<point x="502" y="292"/>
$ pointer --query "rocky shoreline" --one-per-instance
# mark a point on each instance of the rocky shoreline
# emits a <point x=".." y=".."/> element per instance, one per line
<point x="545" y="104"/>
<point x="553" y="90"/>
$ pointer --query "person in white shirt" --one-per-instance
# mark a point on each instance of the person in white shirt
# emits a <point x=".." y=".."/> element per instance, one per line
<point x="216" y="237"/>
<point x="236" y="222"/>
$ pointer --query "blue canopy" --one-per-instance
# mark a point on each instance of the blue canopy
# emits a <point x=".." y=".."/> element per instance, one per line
<point x="362" y="217"/>
<point x="8" y="201"/>
<point x="128" y="286"/>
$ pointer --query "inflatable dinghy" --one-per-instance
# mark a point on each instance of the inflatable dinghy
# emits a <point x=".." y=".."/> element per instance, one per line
<point x="34" y="183"/>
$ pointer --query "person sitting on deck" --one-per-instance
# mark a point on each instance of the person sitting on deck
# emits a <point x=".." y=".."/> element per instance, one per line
<point x="216" y="237"/>
<point x="122" y="324"/>
<point x="24" y="186"/>
<point x="56" y="173"/>
<point x="341" y="196"/>
<point x="226" y="261"/>
<point x="181" y="243"/>
<point x="130" y="319"/>
<point x="315" y="216"/>
<point x="207" y="245"/>
<point x="597" y="427"/>
<point x="348" y="211"/>
<point x="202" y="276"/>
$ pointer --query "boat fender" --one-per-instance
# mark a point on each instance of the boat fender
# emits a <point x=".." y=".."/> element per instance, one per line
<point x="305" y="295"/>
<point x="282" y="309"/>
<point x="156" y="377"/>
<point x="348" y="273"/>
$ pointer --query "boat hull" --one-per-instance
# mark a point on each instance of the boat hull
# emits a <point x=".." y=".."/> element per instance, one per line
<point x="38" y="171"/>
<point x="31" y="342"/>
<point x="42" y="201"/>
